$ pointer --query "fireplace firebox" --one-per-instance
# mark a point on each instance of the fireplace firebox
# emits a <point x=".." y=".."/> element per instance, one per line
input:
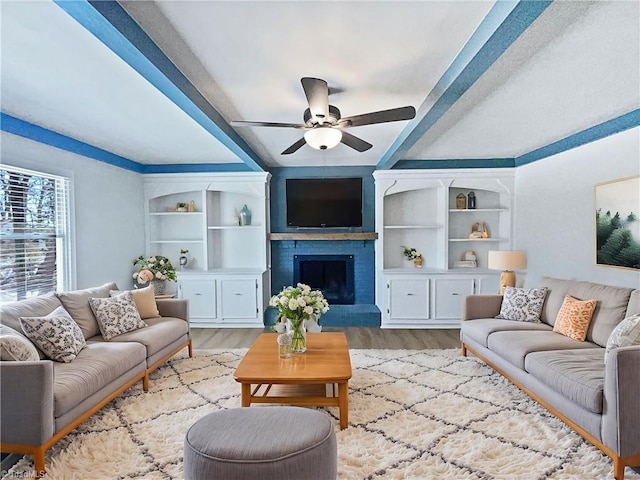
<point x="332" y="274"/>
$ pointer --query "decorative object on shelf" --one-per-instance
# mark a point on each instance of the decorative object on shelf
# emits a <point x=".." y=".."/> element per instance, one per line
<point x="413" y="254"/>
<point x="296" y="305"/>
<point x="507" y="261"/>
<point x="184" y="258"/>
<point x="245" y="216"/>
<point x="192" y="206"/>
<point x="471" y="200"/>
<point x="468" y="260"/>
<point x="485" y="231"/>
<point x="181" y="207"/>
<point x="461" y="201"/>
<point x="615" y="202"/>
<point x="476" y="231"/>
<point x="151" y="270"/>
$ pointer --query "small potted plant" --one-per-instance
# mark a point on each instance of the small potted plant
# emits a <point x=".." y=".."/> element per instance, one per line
<point x="413" y="254"/>
<point x="184" y="258"/>
<point x="181" y="207"/>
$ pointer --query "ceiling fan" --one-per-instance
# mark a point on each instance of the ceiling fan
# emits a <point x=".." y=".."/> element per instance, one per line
<point x="323" y="124"/>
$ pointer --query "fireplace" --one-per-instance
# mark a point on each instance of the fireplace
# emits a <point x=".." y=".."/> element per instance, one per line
<point x="332" y="274"/>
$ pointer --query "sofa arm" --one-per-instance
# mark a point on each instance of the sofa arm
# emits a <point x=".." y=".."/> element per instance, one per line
<point x="26" y="408"/>
<point x="481" y="306"/>
<point x="173" y="307"/>
<point x="621" y="409"/>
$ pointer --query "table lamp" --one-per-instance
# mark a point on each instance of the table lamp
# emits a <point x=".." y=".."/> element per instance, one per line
<point x="507" y="261"/>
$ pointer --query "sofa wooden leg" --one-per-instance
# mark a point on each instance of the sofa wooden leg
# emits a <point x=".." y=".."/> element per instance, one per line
<point x="145" y="382"/>
<point x="618" y="468"/>
<point x="464" y="350"/>
<point x="38" y="461"/>
<point x="190" y="349"/>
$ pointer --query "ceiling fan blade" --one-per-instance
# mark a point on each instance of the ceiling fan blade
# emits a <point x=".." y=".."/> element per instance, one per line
<point x="295" y="147"/>
<point x="383" y="116"/>
<point x="241" y="123"/>
<point x="355" y="142"/>
<point x="317" y="92"/>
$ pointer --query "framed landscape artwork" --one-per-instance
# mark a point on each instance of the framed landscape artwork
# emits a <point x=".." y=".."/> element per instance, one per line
<point x="617" y="205"/>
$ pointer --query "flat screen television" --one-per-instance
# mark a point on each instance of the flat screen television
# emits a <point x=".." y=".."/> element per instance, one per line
<point x="324" y="203"/>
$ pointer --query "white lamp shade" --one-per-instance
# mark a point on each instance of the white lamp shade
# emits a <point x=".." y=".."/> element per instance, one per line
<point x="323" y="138"/>
<point x="507" y="260"/>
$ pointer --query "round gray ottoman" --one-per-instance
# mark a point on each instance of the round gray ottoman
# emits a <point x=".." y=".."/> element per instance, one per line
<point x="261" y="443"/>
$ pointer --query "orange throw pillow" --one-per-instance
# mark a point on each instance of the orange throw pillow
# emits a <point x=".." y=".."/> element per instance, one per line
<point x="574" y="318"/>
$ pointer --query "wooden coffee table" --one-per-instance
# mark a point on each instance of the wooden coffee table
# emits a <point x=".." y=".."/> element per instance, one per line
<point x="306" y="379"/>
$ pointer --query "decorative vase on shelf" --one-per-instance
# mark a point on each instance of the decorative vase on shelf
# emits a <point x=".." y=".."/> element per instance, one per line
<point x="245" y="216"/>
<point x="159" y="287"/>
<point x="297" y="329"/>
<point x="417" y="262"/>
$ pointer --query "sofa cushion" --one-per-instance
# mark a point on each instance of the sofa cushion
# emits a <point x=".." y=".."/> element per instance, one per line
<point x="522" y="304"/>
<point x="11" y="312"/>
<point x="56" y="334"/>
<point x="76" y="302"/>
<point x="15" y="347"/>
<point x="480" y="329"/>
<point x="160" y="332"/>
<point x="116" y="315"/>
<point x="514" y="346"/>
<point x="577" y="375"/>
<point x="574" y="318"/>
<point x="627" y="333"/>
<point x="144" y="299"/>
<point x="98" y="364"/>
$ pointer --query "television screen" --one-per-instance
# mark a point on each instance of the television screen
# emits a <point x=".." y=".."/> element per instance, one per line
<point x="327" y="202"/>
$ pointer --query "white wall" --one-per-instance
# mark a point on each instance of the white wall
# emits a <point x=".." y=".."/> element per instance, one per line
<point x="555" y="211"/>
<point x="108" y="204"/>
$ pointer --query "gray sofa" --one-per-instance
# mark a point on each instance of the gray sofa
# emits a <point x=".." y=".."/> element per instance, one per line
<point x="601" y="401"/>
<point x="42" y="401"/>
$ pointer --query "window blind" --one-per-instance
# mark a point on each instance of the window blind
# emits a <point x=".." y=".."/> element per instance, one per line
<point x="34" y="233"/>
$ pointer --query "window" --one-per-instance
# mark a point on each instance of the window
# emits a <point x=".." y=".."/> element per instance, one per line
<point x="35" y="240"/>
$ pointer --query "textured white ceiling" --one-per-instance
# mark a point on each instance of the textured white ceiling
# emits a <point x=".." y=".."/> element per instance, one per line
<point x="576" y="66"/>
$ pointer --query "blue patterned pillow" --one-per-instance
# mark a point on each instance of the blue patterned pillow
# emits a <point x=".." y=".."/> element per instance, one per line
<point x="116" y="315"/>
<point x="57" y="335"/>
<point x="522" y="304"/>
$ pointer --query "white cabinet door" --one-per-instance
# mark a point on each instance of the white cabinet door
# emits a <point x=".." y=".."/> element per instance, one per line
<point x="201" y="293"/>
<point x="488" y="285"/>
<point x="449" y="293"/>
<point x="408" y="299"/>
<point x="239" y="298"/>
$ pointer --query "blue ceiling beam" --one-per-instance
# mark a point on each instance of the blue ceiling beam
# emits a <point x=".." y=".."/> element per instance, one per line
<point x="110" y="24"/>
<point x="502" y="26"/>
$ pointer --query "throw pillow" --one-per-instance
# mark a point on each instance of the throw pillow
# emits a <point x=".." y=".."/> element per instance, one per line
<point x="145" y="301"/>
<point x="626" y="333"/>
<point x="16" y="347"/>
<point x="522" y="304"/>
<point x="76" y="303"/>
<point x="116" y="315"/>
<point x="574" y="318"/>
<point x="57" y="335"/>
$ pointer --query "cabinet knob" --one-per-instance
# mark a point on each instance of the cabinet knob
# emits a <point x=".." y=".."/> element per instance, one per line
<point x="197" y="293"/>
<point x="410" y="294"/>
<point x="454" y="293"/>
<point x="238" y="294"/>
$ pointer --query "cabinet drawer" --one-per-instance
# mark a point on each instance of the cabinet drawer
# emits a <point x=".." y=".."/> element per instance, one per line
<point x="449" y="293"/>
<point x="202" y="297"/>
<point x="409" y="299"/>
<point x="238" y="298"/>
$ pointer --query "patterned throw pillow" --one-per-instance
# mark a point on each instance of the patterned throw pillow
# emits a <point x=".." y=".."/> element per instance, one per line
<point x="57" y="335"/>
<point x="116" y="315"/>
<point x="16" y="347"/>
<point x="574" y="318"/>
<point x="522" y="304"/>
<point x="626" y="333"/>
<point x="145" y="301"/>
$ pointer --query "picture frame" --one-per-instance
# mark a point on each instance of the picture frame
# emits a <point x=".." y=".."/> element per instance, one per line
<point x="617" y="223"/>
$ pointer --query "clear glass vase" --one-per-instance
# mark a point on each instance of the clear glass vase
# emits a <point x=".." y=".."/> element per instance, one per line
<point x="298" y="332"/>
<point x="159" y="287"/>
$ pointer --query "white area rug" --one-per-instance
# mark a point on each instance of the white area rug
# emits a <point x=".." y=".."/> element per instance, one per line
<point x="412" y="415"/>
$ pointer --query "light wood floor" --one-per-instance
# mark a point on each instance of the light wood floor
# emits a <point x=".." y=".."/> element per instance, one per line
<point x="357" y="337"/>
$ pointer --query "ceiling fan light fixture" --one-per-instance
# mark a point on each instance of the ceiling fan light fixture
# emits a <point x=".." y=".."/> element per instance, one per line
<point x="323" y="138"/>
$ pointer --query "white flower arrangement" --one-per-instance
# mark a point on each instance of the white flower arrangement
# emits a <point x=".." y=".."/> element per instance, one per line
<point x="299" y="302"/>
<point x="411" y="253"/>
<point x="153" y="268"/>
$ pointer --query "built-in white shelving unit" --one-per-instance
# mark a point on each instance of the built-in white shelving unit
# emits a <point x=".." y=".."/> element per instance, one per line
<point x="416" y="208"/>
